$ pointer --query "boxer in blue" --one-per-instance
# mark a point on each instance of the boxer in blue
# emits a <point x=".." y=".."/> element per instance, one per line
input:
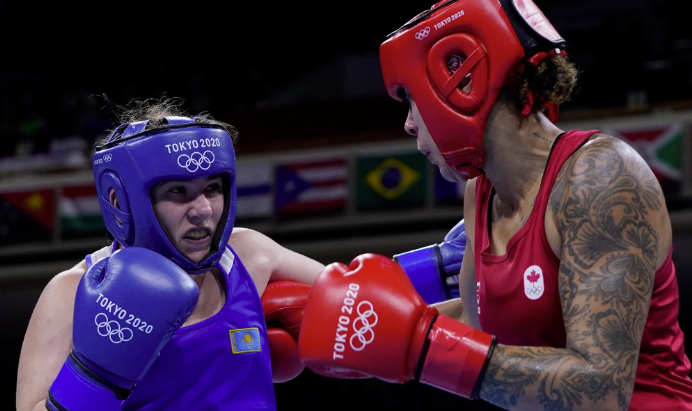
<point x="169" y="316"/>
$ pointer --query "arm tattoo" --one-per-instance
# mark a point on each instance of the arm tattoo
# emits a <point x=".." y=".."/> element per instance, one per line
<point x="604" y="203"/>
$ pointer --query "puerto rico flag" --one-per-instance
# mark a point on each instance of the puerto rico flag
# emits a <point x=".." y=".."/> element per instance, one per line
<point x="254" y="189"/>
<point x="311" y="186"/>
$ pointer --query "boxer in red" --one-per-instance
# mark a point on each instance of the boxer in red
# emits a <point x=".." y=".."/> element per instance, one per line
<point x="570" y="301"/>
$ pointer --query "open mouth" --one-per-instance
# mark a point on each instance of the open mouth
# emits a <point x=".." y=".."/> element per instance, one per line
<point x="198" y="234"/>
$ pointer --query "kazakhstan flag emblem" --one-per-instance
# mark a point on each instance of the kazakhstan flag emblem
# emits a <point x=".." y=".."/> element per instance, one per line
<point x="245" y="340"/>
<point x="391" y="178"/>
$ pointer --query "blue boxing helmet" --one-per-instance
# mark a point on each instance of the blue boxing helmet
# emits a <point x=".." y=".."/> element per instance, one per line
<point x="134" y="159"/>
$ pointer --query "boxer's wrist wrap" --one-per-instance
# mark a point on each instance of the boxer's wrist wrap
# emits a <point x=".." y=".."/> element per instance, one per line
<point x="78" y="389"/>
<point x="457" y="357"/>
<point x="425" y="268"/>
<point x="424" y="351"/>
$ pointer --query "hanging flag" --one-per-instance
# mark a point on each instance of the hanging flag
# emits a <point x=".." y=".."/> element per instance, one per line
<point x="253" y="185"/>
<point x="311" y="186"/>
<point x="661" y="147"/>
<point x="447" y="192"/>
<point x="27" y="216"/>
<point x="395" y="181"/>
<point x="80" y="213"/>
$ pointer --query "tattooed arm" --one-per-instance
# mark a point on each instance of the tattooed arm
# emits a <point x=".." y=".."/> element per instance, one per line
<point x="610" y="212"/>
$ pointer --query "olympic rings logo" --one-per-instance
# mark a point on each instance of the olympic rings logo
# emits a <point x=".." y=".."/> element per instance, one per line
<point x="423" y="33"/>
<point x="534" y="291"/>
<point x="111" y="329"/>
<point x="107" y="157"/>
<point x="364" y="333"/>
<point x="196" y="161"/>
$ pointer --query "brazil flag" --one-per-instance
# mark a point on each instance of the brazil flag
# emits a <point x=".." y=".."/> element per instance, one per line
<point x="393" y="181"/>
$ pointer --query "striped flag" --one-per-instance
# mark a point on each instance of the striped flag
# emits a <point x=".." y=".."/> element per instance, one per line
<point x="27" y="216"/>
<point x="80" y="213"/>
<point x="661" y="148"/>
<point x="253" y="185"/>
<point x="311" y="186"/>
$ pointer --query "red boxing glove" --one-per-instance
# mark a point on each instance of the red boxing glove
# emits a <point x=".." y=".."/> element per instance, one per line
<point x="368" y="320"/>
<point x="283" y="303"/>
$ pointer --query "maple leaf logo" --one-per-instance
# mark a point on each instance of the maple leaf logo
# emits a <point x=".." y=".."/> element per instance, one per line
<point x="533" y="277"/>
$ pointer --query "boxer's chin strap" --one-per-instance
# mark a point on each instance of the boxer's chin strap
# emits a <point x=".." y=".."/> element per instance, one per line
<point x="528" y="106"/>
<point x="552" y="110"/>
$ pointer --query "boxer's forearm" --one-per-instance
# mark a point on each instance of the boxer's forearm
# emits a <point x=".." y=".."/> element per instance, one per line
<point x="544" y="378"/>
<point x="451" y="308"/>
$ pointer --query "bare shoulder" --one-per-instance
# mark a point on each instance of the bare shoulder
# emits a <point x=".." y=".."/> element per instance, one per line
<point x="470" y="208"/>
<point x="606" y="167"/>
<point x="601" y="161"/>
<point x="48" y="338"/>
<point x="247" y="242"/>
<point x="59" y="293"/>
<point x="266" y="260"/>
<point x="255" y="250"/>
<point x="244" y="234"/>
<point x="56" y="303"/>
<point x="67" y="280"/>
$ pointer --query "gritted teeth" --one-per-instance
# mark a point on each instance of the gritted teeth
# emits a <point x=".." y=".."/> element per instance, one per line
<point x="198" y="234"/>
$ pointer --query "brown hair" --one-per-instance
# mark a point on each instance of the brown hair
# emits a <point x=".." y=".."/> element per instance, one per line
<point x="157" y="110"/>
<point x="552" y="81"/>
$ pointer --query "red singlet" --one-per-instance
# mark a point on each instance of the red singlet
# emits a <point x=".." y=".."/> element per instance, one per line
<point x="519" y="300"/>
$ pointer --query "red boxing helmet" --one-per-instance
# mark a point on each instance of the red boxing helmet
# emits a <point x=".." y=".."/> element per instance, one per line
<point x="434" y="55"/>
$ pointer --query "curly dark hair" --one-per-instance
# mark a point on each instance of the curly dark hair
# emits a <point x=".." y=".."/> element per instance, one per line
<point x="552" y="81"/>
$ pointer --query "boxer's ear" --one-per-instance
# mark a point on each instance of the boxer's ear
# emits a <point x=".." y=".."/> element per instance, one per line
<point x="113" y="198"/>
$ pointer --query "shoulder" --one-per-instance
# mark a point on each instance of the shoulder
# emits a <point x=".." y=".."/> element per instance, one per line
<point x="244" y="234"/>
<point x="470" y="208"/>
<point x="266" y="260"/>
<point x="244" y="239"/>
<point x="66" y="281"/>
<point x="607" y="189"/>
<point x="55" y="306"/>
<point x="252" y="247"/>
<point x="48" y="337"/>
<point x="606" y="158"/>
<point x="602" y="164"/>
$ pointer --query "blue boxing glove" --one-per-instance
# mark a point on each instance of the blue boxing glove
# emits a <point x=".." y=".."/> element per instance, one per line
<point x="434" y="270"/>
<point x="126" y="309"/>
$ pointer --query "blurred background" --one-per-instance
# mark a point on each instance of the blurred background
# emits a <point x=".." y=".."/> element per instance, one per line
<point x="324" y="165"/>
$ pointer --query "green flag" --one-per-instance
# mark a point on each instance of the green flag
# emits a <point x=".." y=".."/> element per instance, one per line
<point x="393" y="181"/>
<point x="80" y="213"/>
